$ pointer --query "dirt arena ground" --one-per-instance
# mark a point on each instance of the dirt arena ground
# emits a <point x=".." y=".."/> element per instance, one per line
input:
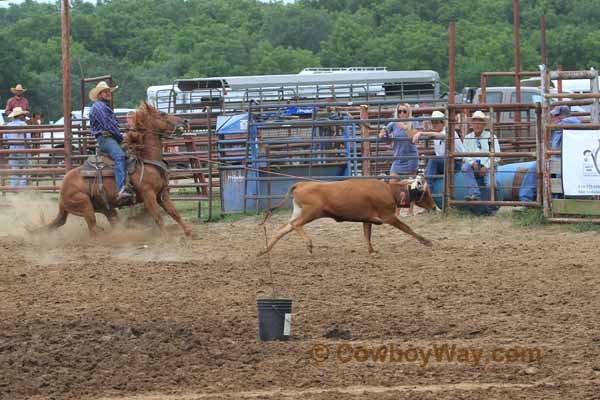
<point x="135" y="315"/>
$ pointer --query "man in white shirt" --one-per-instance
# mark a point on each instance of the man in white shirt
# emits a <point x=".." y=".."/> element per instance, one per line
<point x="435" y="166"/>
<point x="476" y="142"/>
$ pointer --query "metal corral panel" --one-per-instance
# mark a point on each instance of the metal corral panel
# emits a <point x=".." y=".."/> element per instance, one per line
<point x="279" y="188"/>
<point x="460" y="191"/>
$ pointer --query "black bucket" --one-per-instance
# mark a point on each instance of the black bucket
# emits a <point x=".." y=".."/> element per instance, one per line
<point x="274" y="319"/>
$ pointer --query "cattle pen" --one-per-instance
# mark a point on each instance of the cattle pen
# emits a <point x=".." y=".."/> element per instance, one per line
<point x="501" y="306"/>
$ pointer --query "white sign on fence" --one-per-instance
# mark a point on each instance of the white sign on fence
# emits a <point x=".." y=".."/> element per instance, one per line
<point x="581" y="162"/>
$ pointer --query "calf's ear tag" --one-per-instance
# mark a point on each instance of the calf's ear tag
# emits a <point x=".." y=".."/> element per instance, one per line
<point x="404" y="197"/>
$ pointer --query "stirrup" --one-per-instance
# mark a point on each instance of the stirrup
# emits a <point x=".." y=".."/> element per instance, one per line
<point x="124" y="194"/>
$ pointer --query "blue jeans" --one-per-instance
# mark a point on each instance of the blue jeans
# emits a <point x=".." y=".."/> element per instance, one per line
<point x="110" y="146"/>
<point x="16" y="162"/>
<point x="435" y="166"/>
<point x="474" y="182"/>
<point x="528" y="189"/>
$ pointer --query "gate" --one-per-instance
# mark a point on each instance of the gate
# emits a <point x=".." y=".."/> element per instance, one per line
<point x="558" y="206"/>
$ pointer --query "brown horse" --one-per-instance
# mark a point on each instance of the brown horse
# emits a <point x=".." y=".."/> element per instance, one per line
<point x="81" y="196"/>
<point x="36" y="119"/>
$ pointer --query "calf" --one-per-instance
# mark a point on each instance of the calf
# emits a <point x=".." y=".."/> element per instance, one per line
<point x="369" y="201"/>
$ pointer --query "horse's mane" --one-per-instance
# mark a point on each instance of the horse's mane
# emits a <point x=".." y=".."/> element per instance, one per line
<point x="143" y="118"/>
<point x="142" y="123"/>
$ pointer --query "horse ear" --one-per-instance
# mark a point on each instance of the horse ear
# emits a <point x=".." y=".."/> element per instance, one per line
<point x="150" y="108"/>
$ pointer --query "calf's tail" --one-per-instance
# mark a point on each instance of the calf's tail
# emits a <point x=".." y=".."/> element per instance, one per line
<point x="282" y="202"/>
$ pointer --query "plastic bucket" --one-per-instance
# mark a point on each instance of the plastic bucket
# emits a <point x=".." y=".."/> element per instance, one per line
<point x="274" y="319"/>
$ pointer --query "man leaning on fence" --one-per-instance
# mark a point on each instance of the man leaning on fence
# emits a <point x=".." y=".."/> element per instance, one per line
<point x="561" y="115"/>
<point x="17" y="141"/>
<point x="479" y="141"/>
<point x="105" y="128"/>
<point x="435" y="166"/>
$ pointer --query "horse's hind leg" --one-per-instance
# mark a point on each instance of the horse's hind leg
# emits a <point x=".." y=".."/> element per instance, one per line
<point x="90" y="217"/>
<point x="112" y="216"/>
<point x="164" y="199"/>
<point x="81" y="204"/>
<point x="60" y="219"/>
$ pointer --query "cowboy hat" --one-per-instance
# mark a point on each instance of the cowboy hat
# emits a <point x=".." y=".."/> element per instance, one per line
<point x="18" y="89"/>
<point x="16" y="112"/>
<point x="479" y="115"/>
<point x="438" y="114"/>
<point x="100" y="87"/>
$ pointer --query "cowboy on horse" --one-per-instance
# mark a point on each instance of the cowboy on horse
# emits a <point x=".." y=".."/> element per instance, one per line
<point x="93" y="187"/>
<point x="105" y="128"/>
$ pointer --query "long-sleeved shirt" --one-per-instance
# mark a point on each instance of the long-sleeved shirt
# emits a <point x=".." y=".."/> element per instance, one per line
<point x="17" y="136"/>
<point x="439" y="145"/>
<point x="556" y="135"/>
<point x="473" y="144"/>
<point x="102" y="118"/>
<point x="16" y="102"/>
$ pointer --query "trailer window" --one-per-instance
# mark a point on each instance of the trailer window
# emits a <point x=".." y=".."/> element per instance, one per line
<point x="493" y="97"/>
<point x="526" y="97"/>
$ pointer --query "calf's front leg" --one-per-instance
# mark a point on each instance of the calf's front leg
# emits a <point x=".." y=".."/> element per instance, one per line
<point x="395" y="222"/>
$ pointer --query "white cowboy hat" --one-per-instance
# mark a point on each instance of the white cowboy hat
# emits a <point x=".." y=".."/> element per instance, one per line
<point x="438" y="114"/>
<point x="18" y="89"/>
<point x="100" y="87"/>
<point x="479" y="115"/>
<point x="17" y="111"/>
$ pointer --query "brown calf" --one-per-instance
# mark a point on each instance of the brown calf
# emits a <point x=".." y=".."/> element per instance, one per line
<point x="369" y="201"/>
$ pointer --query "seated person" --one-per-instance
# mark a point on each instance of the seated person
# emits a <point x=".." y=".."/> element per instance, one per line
<point x="479" y="141"/>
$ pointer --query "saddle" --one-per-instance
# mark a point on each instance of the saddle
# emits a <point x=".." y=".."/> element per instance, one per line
<point x="100" y="166"/>
<point x="103" y="165"/>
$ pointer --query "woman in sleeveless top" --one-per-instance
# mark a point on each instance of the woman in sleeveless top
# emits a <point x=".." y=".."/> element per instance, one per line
<point x="405" y="150"/>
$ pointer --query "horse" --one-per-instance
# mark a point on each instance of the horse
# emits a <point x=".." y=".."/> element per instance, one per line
<point x="83" y="195"/>
<point x="35" y="119"/>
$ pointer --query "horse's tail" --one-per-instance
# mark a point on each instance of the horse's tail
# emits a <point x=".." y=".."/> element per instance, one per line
<point x="282" y="202"/>
<point x="57" y="222"/>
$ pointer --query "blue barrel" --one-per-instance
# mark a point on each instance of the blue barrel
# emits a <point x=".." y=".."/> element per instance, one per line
<point x="511" y="178"/>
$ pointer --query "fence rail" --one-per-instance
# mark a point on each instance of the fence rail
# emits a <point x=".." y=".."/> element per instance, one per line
<point x="257" y="162"/>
